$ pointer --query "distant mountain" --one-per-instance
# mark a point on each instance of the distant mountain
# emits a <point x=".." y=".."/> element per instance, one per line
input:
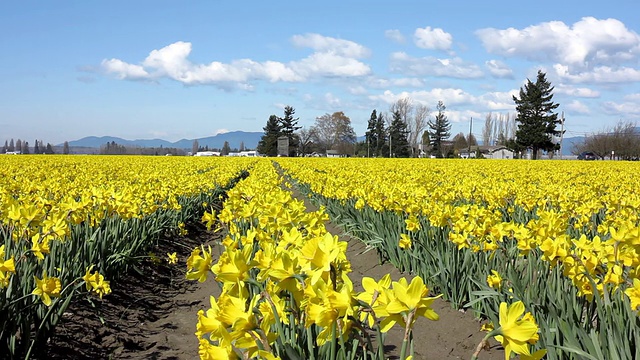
<point x="234" y="138"/>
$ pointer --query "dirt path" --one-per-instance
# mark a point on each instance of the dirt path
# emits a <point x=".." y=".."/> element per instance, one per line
<point x="150" y="315"/>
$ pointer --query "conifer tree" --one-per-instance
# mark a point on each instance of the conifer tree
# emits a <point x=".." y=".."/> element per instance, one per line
<point x="535" y="117"/>
<point x="371" y="137"/>
<point x="288" y="127"/>
<point x="398" y="136"/>
<point x="268" y="144"/>
<point x="439" y="130"/>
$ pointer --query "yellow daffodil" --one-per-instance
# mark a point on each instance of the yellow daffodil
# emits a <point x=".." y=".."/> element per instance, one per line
<point x="516" y="331"/>
<point x="172" y="258"/>
<point x="46" y="288"/>
<point x="405" y="241"/>
<point x="633" y="293"/>
<point x="494" y="280"/>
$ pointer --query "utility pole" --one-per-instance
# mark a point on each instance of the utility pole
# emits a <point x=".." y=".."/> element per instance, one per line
<point x="561" y="133"/>
<point x="469" y="139"/>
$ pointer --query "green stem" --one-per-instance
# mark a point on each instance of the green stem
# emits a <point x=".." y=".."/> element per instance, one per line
<point x="333" y="341"/>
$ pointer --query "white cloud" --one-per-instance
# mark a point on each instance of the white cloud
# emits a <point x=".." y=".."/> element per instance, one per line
<point x="329" y="44"/>
<point x="499" y="69"/>
<point x="357" y="90"/>
<point x="429" y="98"/>
<point x="576" y="91"/>
<point x="330" y="65"/>
<point x="220" y="131"/>
<point x="498" y="100"/>
<point x="122" y="70"/>
<point x="454" y="99"/>
<point x="454" y="67"/>
<point x="332" y="101"/>
<point x="632" y="97"/>
<point x="383" y="83"/>
<point x="625" y="109"/>
<point x="172" y="62"/>
<point x="587" y="43"/>
<point x="394" y="35"/>
<point x="428" y="38"/>
<point x="577" y="107"/>
<point x="599" y="75"/>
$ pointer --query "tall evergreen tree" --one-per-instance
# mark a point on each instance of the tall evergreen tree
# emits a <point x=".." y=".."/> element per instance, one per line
<point x="65" y="148"/>
<point x="18" y="145"/>
<point x="399" y="143"/>
<point x="25" y="147"/>
<point x="268" y="144"/>
<point x="371" y="137"/>
<point x="5" y="148"/>
<point x="288" y="127"/>
<point x="12" y="146"/>
<point x="36" y="148"/>
<point x="49" y="149"/>
<point x="535" y="117"/>
<point x="439" y="130"/>
<point x="381" y="135"/>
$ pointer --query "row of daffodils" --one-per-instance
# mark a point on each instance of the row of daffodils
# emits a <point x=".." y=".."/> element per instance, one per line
<point x="562" y="237"/>
<point x="70" y="224"/>
<point x="286" y="292"/>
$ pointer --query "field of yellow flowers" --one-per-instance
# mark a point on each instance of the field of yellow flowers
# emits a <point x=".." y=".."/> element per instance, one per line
<point x="560" y="236"/>
<point x="70" y="225"/>
<point x="513" y="241"/>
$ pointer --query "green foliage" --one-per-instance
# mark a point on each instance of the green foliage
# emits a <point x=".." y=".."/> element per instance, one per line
<point x="268" y="145"/>
<point x="398" y="136"/>
<point x="288" y="127"/>
<point x="375" y="135"/>
<point x="536" y="120"/>
<point x="439" y="130"/>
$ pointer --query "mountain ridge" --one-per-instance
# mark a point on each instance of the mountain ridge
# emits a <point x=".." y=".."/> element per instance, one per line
<point x="235" y="138"/>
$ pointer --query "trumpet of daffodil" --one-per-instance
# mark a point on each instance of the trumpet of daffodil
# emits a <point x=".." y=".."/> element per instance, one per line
<point x="7" y="267"/>
<point x="233" y="265"/>
<point x="633" y="293"/>
<point x="46" y="288"/>
<point x="408" y="302"/>
<point x="405" y="241"/>
<point x="319" y="253"/>
<point x="516" y="331"/>
<point x="494" y="280"/>
<point x="199" y="264"/>
<point x="412" y="223"/>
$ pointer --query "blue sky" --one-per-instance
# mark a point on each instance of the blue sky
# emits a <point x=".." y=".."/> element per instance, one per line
<point x="173" y="70"/>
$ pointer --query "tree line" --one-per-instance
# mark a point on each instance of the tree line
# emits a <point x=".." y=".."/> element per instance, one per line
<point x="22" y="147"/>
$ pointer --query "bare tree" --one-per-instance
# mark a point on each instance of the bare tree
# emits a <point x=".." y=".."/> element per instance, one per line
<point x="415" y="118"/>
<point x="334" y="132"/>
<point x="305" y="135"/>
<point x="621" y="142"/>
<point x="487" y="131"/>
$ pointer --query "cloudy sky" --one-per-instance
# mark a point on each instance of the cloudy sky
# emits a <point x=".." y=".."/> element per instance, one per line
<point x="173" y="69"/>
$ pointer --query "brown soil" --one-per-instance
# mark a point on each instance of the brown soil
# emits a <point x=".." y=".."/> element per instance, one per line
<point x="149" y="315"/>
<point x="152" y="315"/>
